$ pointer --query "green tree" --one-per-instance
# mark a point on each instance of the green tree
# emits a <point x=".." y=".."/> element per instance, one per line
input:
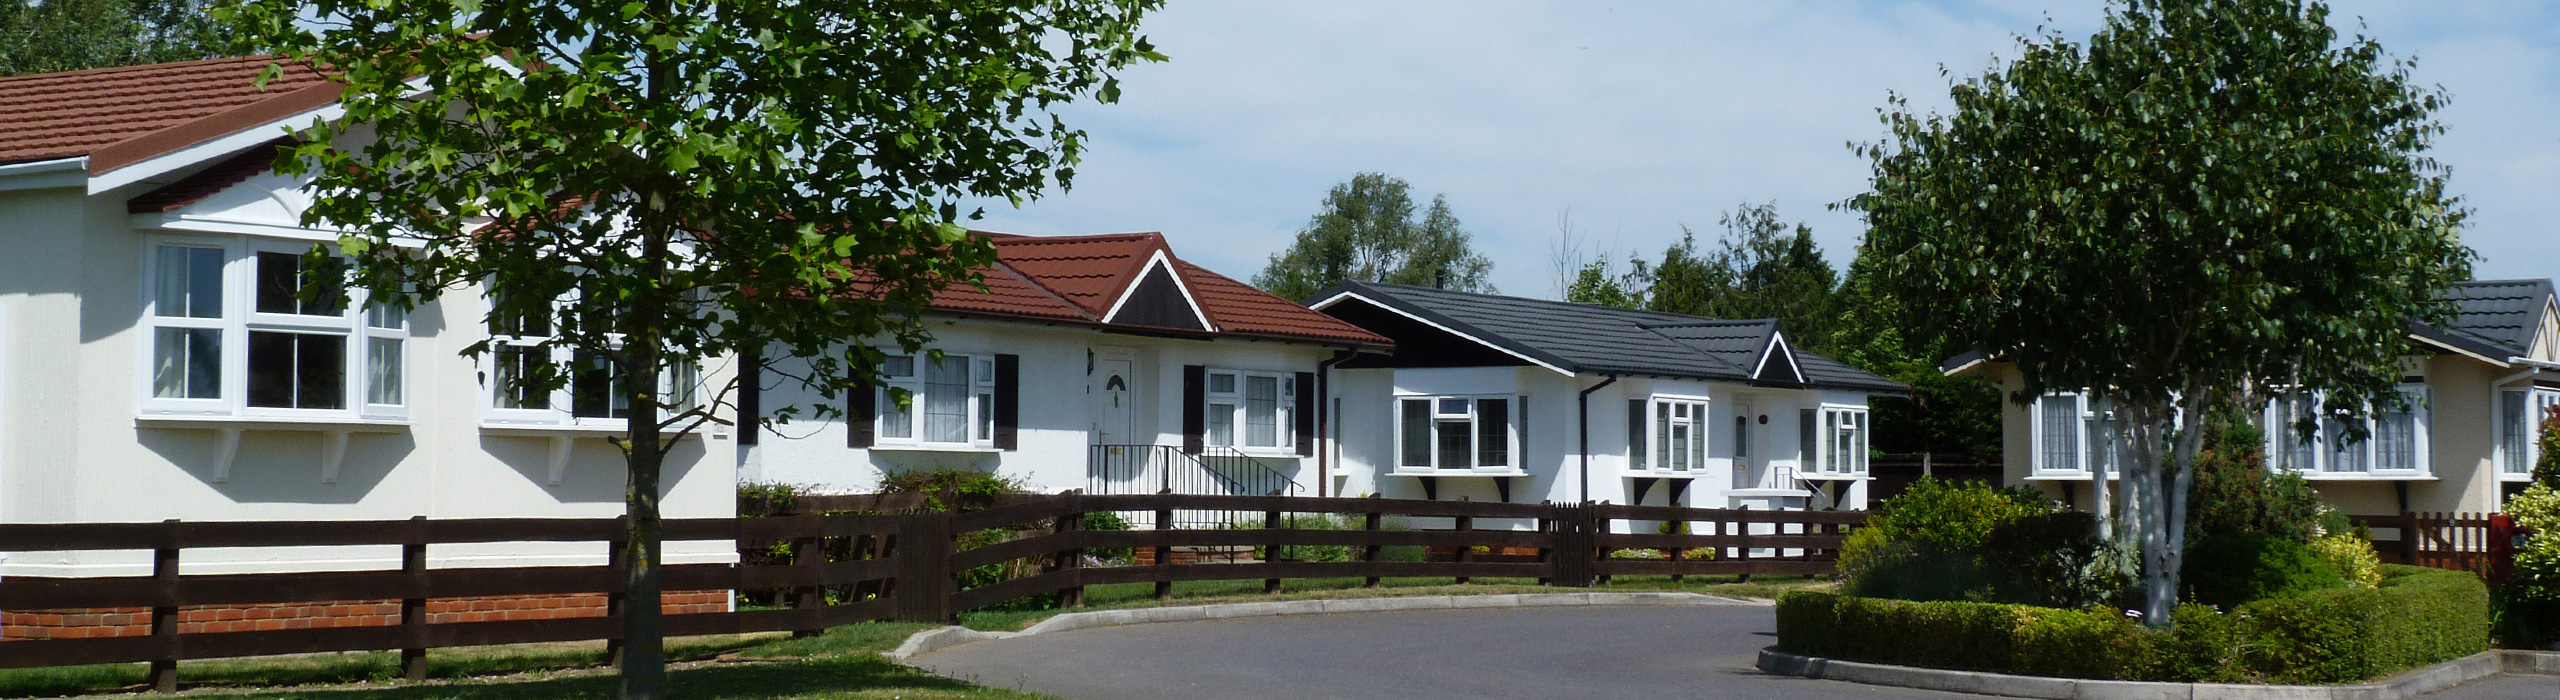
<point x="673" y="180"/>
<point x="60" y="35"/>
<point x="1761" y="268"/>
<point x="1943" y="414"/>
<point x="2208" y="195"/>
<point x="1367" y="233"/>
<point x="1593" y="284"/>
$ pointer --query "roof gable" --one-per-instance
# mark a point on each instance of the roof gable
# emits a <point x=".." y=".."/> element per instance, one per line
<point x="1134" y="280"/>
<point x="1778" y="361"/>
<point x="1158" y="298"/>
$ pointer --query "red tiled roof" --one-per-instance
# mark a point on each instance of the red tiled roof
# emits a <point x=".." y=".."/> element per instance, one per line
<point x="119" y="116"/>
<point x="1078" y="278"/>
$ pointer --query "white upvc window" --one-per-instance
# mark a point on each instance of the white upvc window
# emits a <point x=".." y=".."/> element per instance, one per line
<point x="2075" y="434"/>
<point x="2395" y="440"/>
<point x="1844" y="441"/>
<point x="949" y="402"/>
<point x="1672" y="437"/>
<point x="2521" y="413"/>
<point x="1251" y="410"/>
<point x="1457" y="432"/>
<point x="248" y="327"/>
<point x="593" y="395"/>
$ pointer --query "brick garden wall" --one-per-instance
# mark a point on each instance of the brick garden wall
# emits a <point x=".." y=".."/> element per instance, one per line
<point x="134" y="622"/>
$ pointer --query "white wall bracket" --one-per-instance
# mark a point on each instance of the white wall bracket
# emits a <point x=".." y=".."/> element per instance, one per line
<point x="333" y="454"/>
<point x="226" y="447"/>
<point x="560" y="449"/>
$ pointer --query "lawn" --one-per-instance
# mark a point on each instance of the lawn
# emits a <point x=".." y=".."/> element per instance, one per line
<point x="843" y="663"/>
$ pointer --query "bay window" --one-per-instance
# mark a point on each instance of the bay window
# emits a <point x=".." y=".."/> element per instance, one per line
<point x="256" y="328"/>
<point x="593" y="394"/>
<point x="1456" y="432"/>
<point x="1259" y="405"/>
<point x="2520" y="416"/>
<point x="1844" y="447"/>
<point x="2077" y="434"/>
<point x="949" y="401"/>
<point x="2395" y="439"/>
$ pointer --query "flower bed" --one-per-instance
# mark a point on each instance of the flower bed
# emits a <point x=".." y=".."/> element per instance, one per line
<point x="2416" y="617"/>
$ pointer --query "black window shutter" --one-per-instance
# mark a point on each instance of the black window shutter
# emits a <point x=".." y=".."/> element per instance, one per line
<point x="862" y="404"/>
<point x="1306" y="414"/>
<point x="1635" y="433"/>
<point x="1008" y="404"/>
<point x="750" y="397"/>
<point x="1195" y="420"/>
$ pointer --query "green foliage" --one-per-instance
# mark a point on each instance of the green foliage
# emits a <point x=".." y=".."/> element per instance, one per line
<point x="1110" y="522"/>
<point x="1974" y="542"/>
<point x="1943" y="414"/>
<point x="2529" y="602"/>
<point x="2052" y="559"/>
<point x="2228" y="569"/>
<point x="2234" y="493"/>
<point x="1366" y="232"/>
<point x="1761" y="268"/>
<point x="2546" y="469"/>
<point x="952" y="490"/>
<point x="2415" y="618"/>
<point x="2353" y="556"/>
<point x="63" y="35"/>
<point x="1953" y="517"/>
<point x="764" y="499"/>
<point x="1594" y="285"/>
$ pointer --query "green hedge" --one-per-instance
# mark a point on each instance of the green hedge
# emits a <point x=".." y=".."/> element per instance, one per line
<point x="2417" y="617"/>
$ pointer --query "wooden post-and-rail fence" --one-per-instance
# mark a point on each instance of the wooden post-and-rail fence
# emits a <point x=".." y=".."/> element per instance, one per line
<point x="861" y="567"/>
<point x="2458" y="541"/>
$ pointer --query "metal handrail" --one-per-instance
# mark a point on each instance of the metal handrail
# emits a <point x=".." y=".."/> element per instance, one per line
<point x="1216" y="471"/>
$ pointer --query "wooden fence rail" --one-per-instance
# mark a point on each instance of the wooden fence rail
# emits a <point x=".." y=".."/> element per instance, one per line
<point x="850" y="568"/>
<point x="2457" y="541"/>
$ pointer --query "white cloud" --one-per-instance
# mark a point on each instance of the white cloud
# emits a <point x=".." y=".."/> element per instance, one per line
<point x="1640" y="117"/>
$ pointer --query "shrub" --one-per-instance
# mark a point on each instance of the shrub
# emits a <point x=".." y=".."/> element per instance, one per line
<point x="2416" y="617"/>
<point x="1926" y="575"/>
<point x="1107" y="520"/>
<point x="1865" y="548"/>
<point x="2229" y="569"/>
<point x="951" y="490"/>
<point x="1951" y="517"/>
<point x="2233" y="493"/>
<point x="2353" y="556"/>
<point x="2528" y="604"/>
<point x="2052" y="559"/>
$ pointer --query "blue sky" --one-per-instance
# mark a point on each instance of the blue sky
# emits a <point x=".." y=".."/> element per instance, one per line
<point x="1624" y="121"/>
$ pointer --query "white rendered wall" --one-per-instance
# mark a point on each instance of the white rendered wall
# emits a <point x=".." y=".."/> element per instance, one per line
<point x="74" y="281"/>
<point x="1057" y="415"/>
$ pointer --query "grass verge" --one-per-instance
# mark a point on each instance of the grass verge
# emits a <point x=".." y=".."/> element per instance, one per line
<point x="1142" y="595"/>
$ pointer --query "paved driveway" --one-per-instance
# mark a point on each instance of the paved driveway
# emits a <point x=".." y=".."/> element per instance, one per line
<point x="1593" y="653"/>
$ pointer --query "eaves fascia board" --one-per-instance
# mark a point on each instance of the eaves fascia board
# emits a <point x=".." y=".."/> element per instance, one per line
<point x="45" y="174"/>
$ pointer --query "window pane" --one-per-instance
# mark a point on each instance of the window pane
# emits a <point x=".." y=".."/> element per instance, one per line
<point x="282" y="280"/>
<point x="596" y="390"/>
<point x="1662" y="434"/>
<point x="1806" y="443"/>
<point x="2512" y="428"/>
<point x="2058" y="420"/>
<point x="1222" y="424"/>
<point x="187" y="363"/>
<point x="516" y="367"/>
<point x="1457" y="444"/>
<point x="2345" y="455"/>
<point x="898" y="366"/>
<point x="297" y="370"/>
<point x="946" y="400"/>
<point x="1858" y="454"/>
<point x="2396" y="440"/>
<point x="1741" y="437"/>
<point x="897" y="421"/>
<point x="386" y="316"/>
<point x="1222" y="384"/>
<point x="190" y="283"/>
<point x="382" y="371"/>
<point x="1493" y="419"/>
<point x="986" y="416"/>
<point x="986" y="371"/>
<point x="1417" y="433"/>
<point x="682" y="382"/>
<point x="1635" y="434"/>
<point x="2299" y="449"/>
<point x="1261" y="411"/>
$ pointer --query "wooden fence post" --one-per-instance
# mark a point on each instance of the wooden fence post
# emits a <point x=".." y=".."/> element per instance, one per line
<point x="1164" y="550"/>
<point x="1546" y="554"/>
<point x="413" y="609"/>
<point x="617" y="559"/>
<point x="1466" y="552"/>
<point x="164" y="618"/>
<point x="1742" y="540"/>
<point x="1067" y="527"/>
<point x="1370" y="524"/>
<point x="808" y="554"/>
<point x="1270" y="552"/>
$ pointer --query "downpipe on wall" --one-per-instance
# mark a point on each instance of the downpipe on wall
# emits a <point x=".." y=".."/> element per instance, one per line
<point x="1582" y="407"/>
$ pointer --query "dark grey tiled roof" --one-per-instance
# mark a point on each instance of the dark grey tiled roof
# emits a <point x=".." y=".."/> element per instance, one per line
<point x="1604" y="340"/>
<point x="2501" y="313"/>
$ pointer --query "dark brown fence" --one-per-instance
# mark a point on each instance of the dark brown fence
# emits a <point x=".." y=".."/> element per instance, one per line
<point x="853" y="568"/>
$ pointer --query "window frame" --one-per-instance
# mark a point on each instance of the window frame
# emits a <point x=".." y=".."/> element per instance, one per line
<point x="1473" y="417"/>
<point x="2323" y="449"/>
<point x="2522" y="432"/>
<point x="678" y="385"/>
<point x="1838" y="423"/>
<point x="977" y="400"/>
<point x="1660" y="416"/>
<point x="239" y="319"/>
<point x="1238" y="411"/>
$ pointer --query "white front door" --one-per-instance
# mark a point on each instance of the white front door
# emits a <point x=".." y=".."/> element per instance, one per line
<point x="1113" y="402"/>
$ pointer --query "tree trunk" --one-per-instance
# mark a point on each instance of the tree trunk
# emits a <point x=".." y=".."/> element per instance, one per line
<point x="644" y="656"/>
<point x="2098" y="501"/>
